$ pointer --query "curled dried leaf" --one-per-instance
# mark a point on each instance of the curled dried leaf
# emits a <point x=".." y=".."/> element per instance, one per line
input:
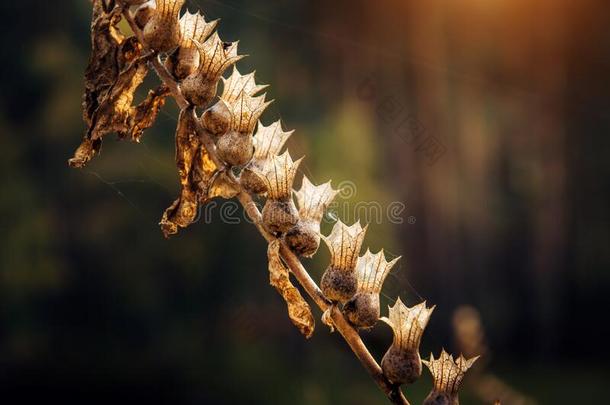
<point x="200" y="177"/>
<point x="145" y="114"/>
<point x="298" y="309"/>
<point x="223" y="187"/>
<point x="102" y="70"/>
<point x="115" y="71"/>
<point x="196" y="170"/>
<point x="180" y="214"/>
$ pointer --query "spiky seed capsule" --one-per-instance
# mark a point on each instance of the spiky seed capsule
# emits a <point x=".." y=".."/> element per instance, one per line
<point x="371" y="271"/>
<point x="144" y="13"/>
<point x="162" y="31"/>
<point x="304" y="239"/>
<point x="268" y="142"/>
<point x="215" y="57"/>
<point x="217" y="119"/>
<point x="251" y="178"/>
<point x="447" y="374"/>
<point x="279" y="216"/>
<point x="401" y="364"/>
<point x="280" y="213"/>
<point x="236" y="146"/>
<point x="339" y="283"/>
<point x="235" y="128"/>
<point x="185" y="60"/>
<point x="363" y="310"/>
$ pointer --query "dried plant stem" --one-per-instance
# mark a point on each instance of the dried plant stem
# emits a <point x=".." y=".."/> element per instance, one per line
<point x="350" y="334"/>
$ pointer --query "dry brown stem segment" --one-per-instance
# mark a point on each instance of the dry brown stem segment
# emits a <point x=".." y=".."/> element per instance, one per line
<point x="279" y="277"/>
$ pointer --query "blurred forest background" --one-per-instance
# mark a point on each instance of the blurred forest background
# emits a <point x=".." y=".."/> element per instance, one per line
<point x="489" y="119"/>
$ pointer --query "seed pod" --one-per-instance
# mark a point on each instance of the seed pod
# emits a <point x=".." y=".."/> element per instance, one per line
<point x="279" y="212"/>
<point x="215" y="57"/>
<point x="401" y="364"/>
<point x="304" y="238"/>
<point x="236" y="146"/>
<point x="185" y="60"/>
<point x="371" y="270"/>
<point x="339" y="283"/>
<point x="162" y="31"/>
<point x="447" y="375"/>
<point x="217" y="119"/>
<point x="144" y="13"/>
<point x="268" y="142"/>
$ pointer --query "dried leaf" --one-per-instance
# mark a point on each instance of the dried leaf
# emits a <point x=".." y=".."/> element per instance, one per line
<point x="102" y="71"/>
<point x="181" y="213"/>
<point x="196" y="170"/>
<point x="145" y="114"/>
<point x="298" y="309"/>
<point x="116" y="69"/>
<point x="223" y="187"/>
<point x="199" y="176"/>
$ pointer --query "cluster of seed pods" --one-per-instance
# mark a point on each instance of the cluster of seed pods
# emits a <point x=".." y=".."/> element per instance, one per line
<point x="197" y="59"/>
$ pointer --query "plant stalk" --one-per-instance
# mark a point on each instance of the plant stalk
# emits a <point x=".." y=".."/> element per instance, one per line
<point x="346" y="330"/>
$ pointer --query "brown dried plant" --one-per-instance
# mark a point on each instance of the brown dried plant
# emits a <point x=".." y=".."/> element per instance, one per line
<point x="219" y="156"/>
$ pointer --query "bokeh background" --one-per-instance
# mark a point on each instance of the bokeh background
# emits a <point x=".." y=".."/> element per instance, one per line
<point x="488" y="119"/>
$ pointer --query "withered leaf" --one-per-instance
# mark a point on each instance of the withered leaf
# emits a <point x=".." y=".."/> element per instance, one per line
<point x="181" y="213"/>
<point x="102" y="70"/>
<point x="145" y="114"/>
<point x="279" y="277"/>
<point x="223" y="187"/>
<point x="115" y="71"/>
<point x="196" y="170"/>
